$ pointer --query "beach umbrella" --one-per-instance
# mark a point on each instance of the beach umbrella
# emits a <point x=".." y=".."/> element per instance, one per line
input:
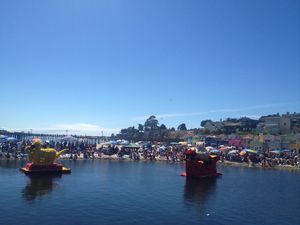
<point x="208" y="148"/>
<point x="222" y="149"/>
<point x="250" y="151"/>
<point x="233" y="152"/>
<point x="113" y="142"/>
<point x="11" y="139"/>
<point x="193" y="149"/>
<point x="3" y="138"/>
<point x="163" y="148"/>
<point x="275" y="151"/>
<point x="243" y="153"/>
<point x="215" y="151"/>
<point x="200" y="143"/>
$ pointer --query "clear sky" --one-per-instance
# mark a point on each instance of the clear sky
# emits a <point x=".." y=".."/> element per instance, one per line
<point x="101" y="65"/>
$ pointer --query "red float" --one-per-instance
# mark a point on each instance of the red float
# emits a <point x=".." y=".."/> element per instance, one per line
<point x="199" y="165"/>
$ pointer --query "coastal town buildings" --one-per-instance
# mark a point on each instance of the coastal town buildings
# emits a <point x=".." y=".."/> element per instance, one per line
<point x="270" y="124"/>
<point x="274" y="124"/>
<point x="229" y="126"/>
<point x="213" y="126"/>
<point x="294" y="120"/>
<point x="272" y="132"/>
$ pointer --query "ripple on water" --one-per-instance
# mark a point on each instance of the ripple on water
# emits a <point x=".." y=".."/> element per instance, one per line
<point x="105" y="192"/>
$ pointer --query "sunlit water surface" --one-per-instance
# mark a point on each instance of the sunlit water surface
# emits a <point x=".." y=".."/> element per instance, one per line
<point x="112" y="192"/>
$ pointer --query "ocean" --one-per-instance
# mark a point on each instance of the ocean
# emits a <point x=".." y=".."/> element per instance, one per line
<point x="127" y="192"/>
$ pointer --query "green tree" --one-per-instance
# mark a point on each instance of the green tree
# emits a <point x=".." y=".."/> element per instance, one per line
<point x="203" y="122"/>
<point x="140" y="127"/>
<point x="151" y="123"/>
<point x="182" y="127"/>
<point x="206" y="131"/>
<point x="163" y="127"/>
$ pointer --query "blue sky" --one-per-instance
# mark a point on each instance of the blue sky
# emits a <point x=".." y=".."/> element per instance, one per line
<point x="92" y="66"/>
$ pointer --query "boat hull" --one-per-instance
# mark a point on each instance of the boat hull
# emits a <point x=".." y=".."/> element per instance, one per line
<point x="201" y="169"/>
<point x="45" y="169"/>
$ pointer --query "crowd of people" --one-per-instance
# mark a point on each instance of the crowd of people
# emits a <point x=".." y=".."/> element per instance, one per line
<point x="264" y="159"/>
<point x="152" y="151"/>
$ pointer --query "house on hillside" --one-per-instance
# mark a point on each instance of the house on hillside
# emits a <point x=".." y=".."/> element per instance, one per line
<point x="274" y="124"/>
<point x="231" y="127"/>
<point x="295" y="121"/>
<point x="213" y="126"/>
<point x="243" y="124"/>
<point x="247" y="124"/>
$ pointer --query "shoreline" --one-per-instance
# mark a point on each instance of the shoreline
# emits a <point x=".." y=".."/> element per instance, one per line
<point x="219" y="163"/>
<point x="255" y="165"/>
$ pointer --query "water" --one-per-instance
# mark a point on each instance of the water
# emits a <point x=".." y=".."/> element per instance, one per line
<point x="111" y="192"/>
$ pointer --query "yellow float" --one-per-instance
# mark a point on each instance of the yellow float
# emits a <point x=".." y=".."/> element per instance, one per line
<point x="42" y="160"/>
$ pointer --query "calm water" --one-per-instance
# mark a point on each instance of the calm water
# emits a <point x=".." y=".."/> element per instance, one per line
<point x="110" y="192"/>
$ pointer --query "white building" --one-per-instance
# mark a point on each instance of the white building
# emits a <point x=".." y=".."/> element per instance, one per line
<point x="276" y="124"/>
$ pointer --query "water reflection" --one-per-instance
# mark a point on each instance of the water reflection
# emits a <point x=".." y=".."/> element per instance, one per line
<point x="11" y="164"/>
<point x="198" y="191"/>
<point x="39" y="186"/>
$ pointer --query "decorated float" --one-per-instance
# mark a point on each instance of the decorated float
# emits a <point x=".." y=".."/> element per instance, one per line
<point x="42" y="160"/>
<point x="200" y="165"/>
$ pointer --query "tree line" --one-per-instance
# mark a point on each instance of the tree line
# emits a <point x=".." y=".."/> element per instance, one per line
<point x="151" y="130"/>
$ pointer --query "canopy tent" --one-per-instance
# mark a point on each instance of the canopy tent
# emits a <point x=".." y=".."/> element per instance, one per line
<point x="174" y="143"/>
<point x="122" y="142"/>
<point x="132" y="145"/>
<point x="279" y="151"/>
